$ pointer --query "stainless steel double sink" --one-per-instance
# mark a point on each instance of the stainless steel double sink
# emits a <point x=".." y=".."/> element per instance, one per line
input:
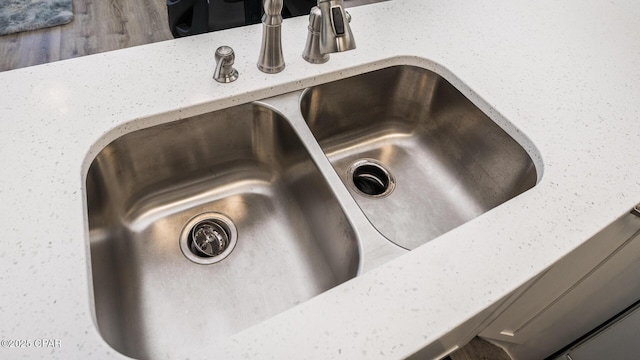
<point x="206" y="226"/>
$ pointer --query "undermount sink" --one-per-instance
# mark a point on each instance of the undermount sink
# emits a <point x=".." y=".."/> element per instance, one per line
<point x="205" y="226"/>
<point x="418" y="157"/>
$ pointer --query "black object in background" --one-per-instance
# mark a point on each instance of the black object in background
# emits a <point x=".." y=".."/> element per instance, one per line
<point x="190" y="17"/>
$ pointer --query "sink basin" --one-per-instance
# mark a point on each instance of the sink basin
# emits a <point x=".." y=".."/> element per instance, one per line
<point x="418" y="157"/>
<point x="205" y="226"/>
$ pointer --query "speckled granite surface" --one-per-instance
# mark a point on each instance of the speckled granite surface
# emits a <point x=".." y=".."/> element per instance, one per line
<point x="562" y="78"/>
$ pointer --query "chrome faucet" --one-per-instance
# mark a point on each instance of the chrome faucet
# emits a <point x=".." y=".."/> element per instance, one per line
<point x="329" y="31"/>
<point x="271" y="60"/>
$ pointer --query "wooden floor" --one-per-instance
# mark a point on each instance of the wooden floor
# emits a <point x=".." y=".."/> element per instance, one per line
<point x="97" y="26"/>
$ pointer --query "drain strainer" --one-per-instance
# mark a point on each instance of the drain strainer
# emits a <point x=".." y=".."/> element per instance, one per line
<point x="371" y="178"/>
<point x="208" y="238"/>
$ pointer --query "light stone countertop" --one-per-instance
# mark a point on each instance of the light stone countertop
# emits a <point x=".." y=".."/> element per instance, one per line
<point x="563" y="78"/>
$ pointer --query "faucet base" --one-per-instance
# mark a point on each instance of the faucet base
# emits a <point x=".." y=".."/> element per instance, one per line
<point x="316" y="60"/>
<point x="233" y="76"/>
<point x="271" y="69"/>
<point x="271" y="60"/>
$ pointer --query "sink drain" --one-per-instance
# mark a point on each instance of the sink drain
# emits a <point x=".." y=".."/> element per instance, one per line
<point x="371" y="178"/>
<point x="208" y="238"/>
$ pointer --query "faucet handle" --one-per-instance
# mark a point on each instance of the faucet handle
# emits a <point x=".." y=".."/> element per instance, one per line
<point x="225" y="73"/>
<point x="311" y="51"/>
